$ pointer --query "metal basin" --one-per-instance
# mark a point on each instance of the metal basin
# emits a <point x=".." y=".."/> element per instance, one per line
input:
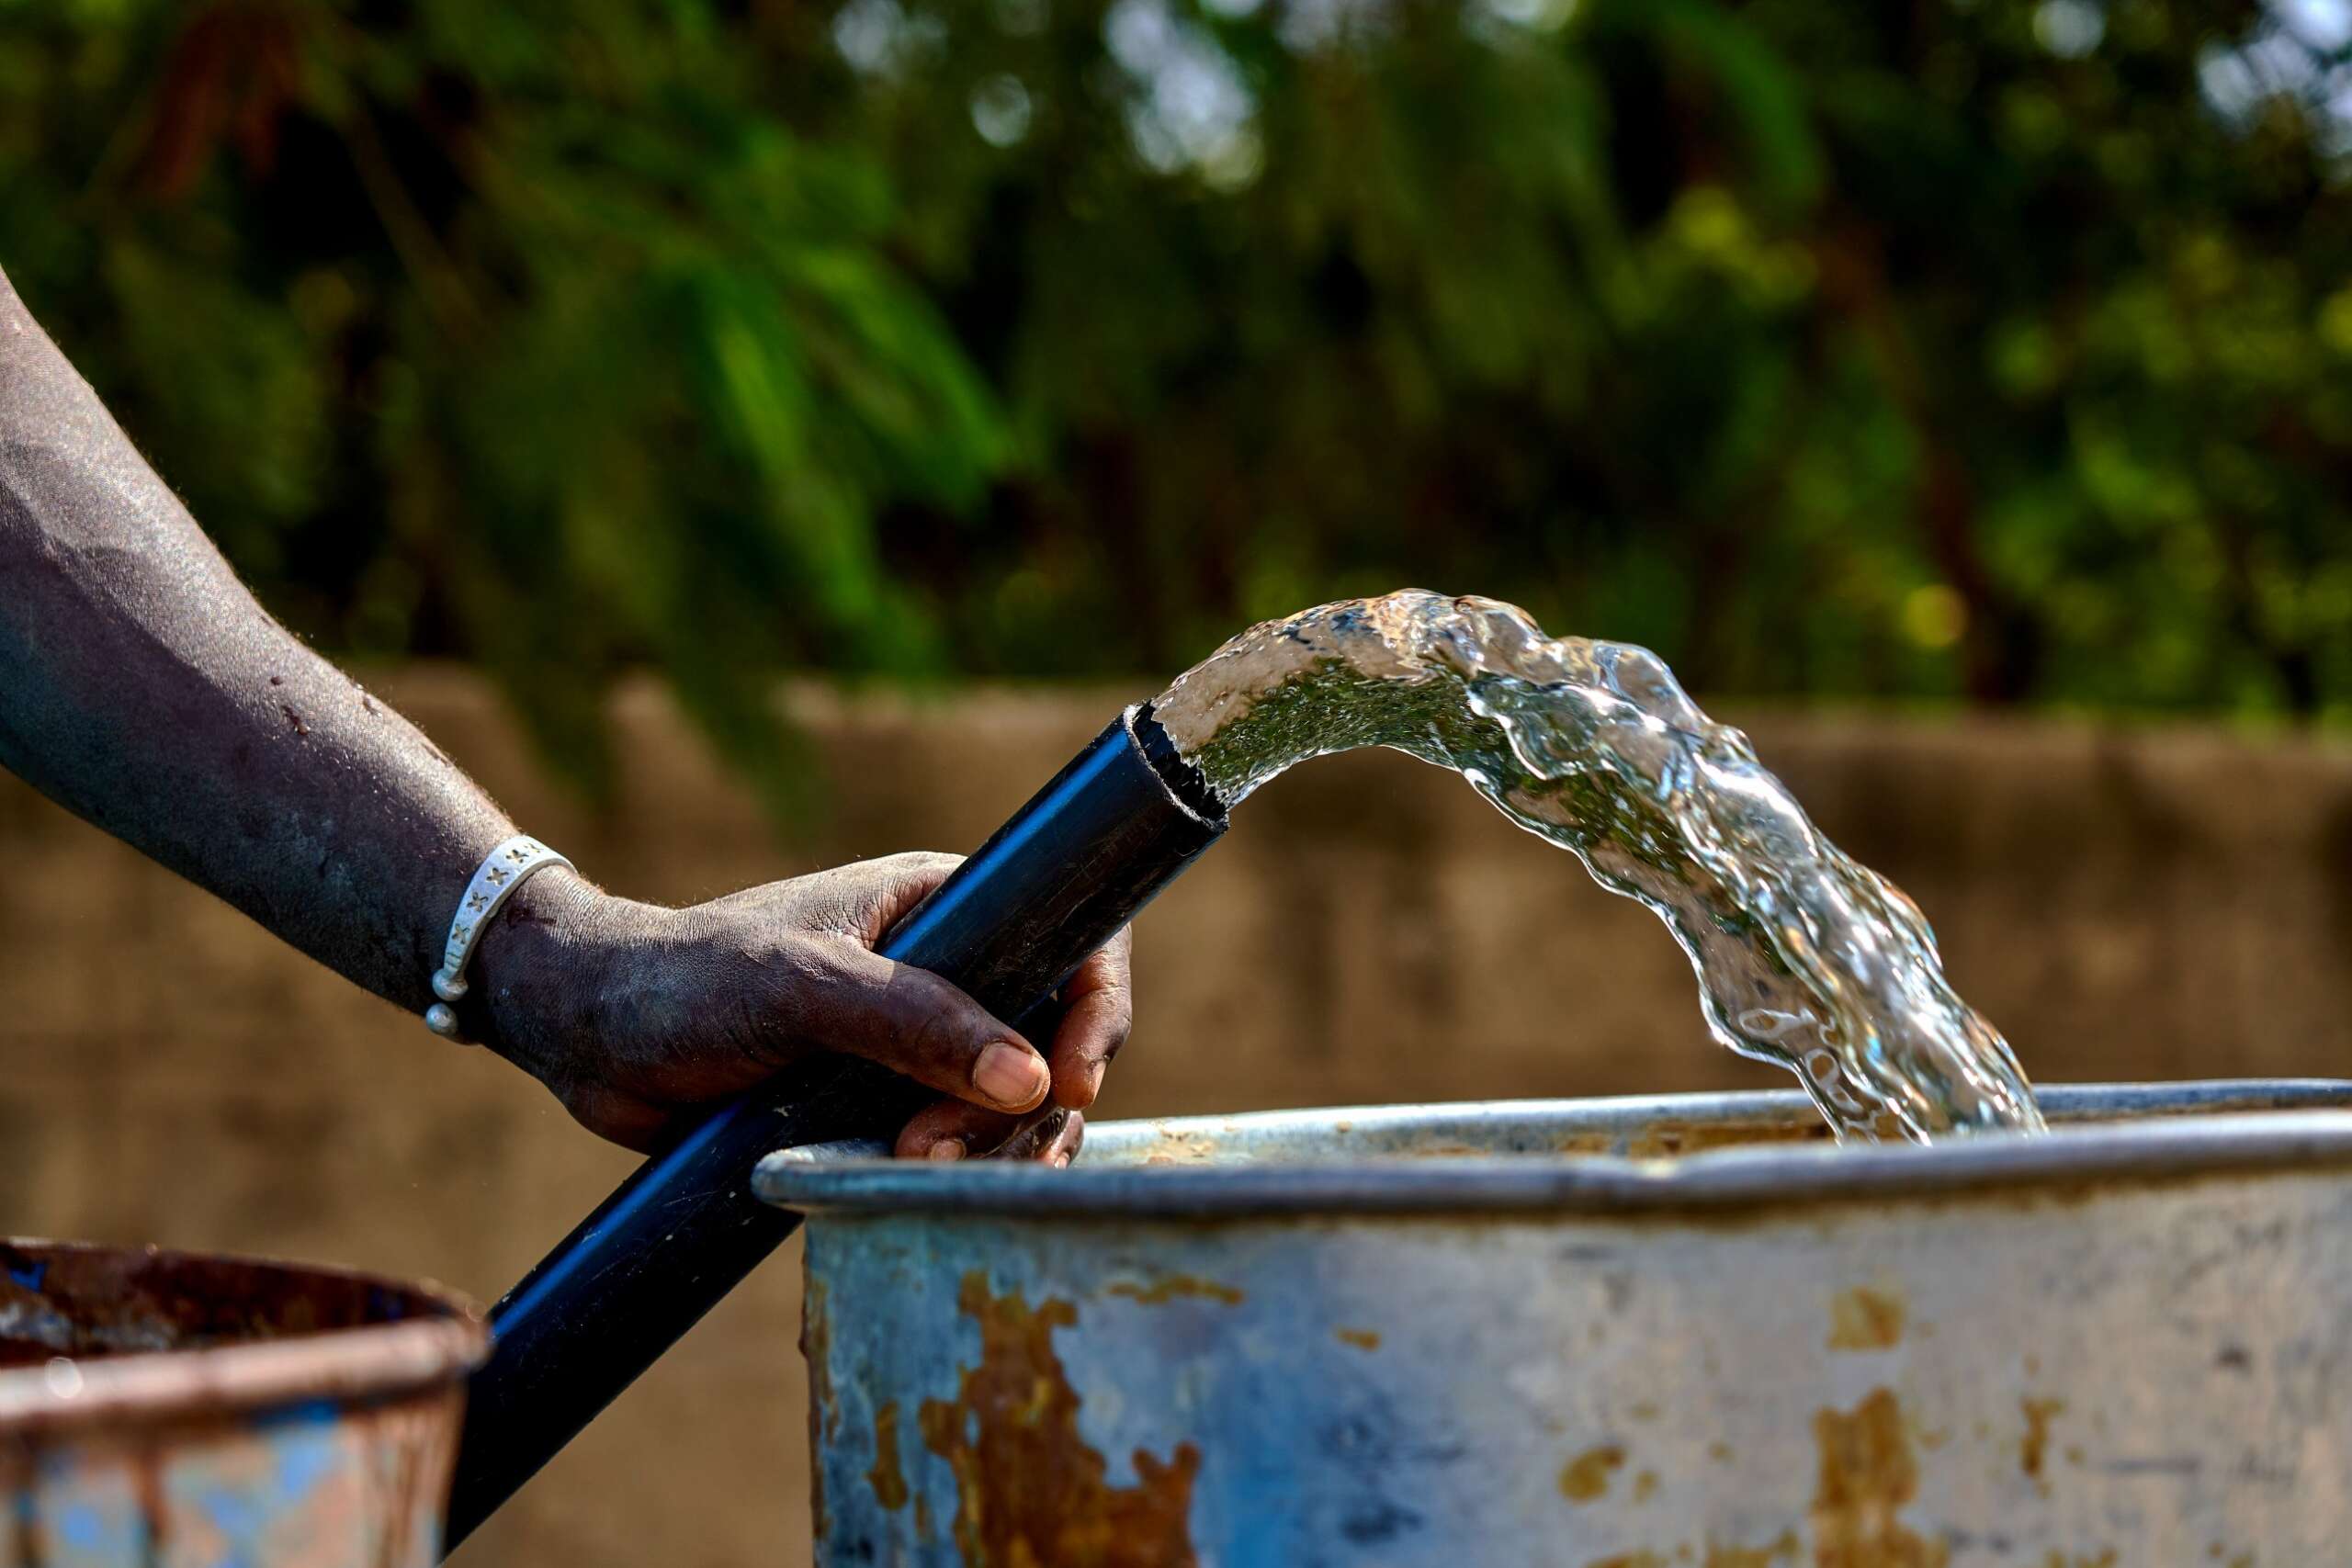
<point x="164" y="1410"/>
<point x="1606" y="1334"/>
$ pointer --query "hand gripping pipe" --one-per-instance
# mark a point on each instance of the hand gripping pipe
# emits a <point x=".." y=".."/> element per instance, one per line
<point x="1074" y="865"/>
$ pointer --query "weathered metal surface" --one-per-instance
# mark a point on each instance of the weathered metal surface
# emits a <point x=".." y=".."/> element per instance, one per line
<point x="162" y="1410"/>
<point x="1430" y="1336"/>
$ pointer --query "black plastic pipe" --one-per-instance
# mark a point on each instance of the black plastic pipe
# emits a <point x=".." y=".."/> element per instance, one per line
<point x="1118" y="823"/>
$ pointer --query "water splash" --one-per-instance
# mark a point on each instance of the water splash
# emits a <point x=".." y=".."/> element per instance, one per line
<point x="1804" y="958"/>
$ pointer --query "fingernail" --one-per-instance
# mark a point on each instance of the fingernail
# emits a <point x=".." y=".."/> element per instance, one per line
<point x="946" y="1148"/>
<point x="1010" y="1076"/>
<point x="1061" y="1159"/>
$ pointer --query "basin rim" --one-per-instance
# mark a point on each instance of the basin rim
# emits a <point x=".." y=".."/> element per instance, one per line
<point x="2174" y="1132"/>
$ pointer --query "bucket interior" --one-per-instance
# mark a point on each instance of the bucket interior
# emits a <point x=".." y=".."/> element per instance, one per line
<point x="84" y="1302"/>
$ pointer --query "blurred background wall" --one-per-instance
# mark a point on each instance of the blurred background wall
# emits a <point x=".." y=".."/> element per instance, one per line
<point x="1960" y="391"/>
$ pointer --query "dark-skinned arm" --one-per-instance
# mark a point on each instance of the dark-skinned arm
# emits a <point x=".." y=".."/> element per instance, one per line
<point x="143" y="687"/>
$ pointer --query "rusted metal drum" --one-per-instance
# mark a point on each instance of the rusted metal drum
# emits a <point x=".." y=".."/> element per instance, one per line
<point x="164" y="1410"/>
<point x="1609" y="1334"/>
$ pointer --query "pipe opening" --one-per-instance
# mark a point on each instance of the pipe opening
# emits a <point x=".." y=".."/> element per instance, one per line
<point x="1184" y="779"/>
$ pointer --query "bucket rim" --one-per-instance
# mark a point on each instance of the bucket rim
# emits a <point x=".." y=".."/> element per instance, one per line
<point x="2167" y="1132"/>
<point x="429" y="1335"/>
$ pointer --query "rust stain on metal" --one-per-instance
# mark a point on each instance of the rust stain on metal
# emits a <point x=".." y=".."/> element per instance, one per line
<point x="147" y="1487"/>
<point x="890" y="1482"/>
<point x="1030" y="1492"/>
<point x="19" y="1464"/>
<point x="392" y="1549"/>
<point x="1362" y="1338"/>
<point x="1585" y="1477"/>
<point x="1864" y="1319"/>
<point x="1664" y="1140"/>
<point x="1629" y="1560"/>
<point x="2033" y="1451"/>
<point x="1782" y="1550"/>
<point x="1645" y="1485"/>
<point x="2104" y="1560"/>
<point x="1867" y="1477"/>
<point x="1171" y="1286"/>
<point x="1170" y="1147"/>
<point x="824" y="1412"/>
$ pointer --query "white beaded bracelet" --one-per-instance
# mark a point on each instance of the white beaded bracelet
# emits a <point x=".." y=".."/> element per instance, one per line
<point x="504" y="870"/>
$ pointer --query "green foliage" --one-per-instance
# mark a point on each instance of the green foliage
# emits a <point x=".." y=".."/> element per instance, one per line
<point x="1990" y="349"/>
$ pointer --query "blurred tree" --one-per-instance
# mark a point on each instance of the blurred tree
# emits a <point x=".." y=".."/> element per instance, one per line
<point x="515" y="331"/>
<point x="1987" y="348"/>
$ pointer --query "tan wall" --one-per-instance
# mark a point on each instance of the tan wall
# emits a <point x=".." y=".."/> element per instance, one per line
<point x="2146" y="906"/>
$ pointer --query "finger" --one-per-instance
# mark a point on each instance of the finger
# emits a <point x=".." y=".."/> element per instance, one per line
<point x="912" y="1022"/>
<point x="949" y="1129"/>
<point x="953" y="1129"/>
<point x="1038" y="1137"/>
<point x="1097" y="1016"/>
<point x="1064" y="1145"/>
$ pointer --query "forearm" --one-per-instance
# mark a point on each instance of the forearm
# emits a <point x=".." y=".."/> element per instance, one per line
<point x="143" y="688"/>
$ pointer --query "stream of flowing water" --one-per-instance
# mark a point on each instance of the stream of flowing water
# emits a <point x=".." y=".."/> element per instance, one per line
<point x="1804" y="958"/>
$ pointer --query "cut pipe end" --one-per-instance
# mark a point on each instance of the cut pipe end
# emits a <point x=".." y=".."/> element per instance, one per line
<point x="1183" y="777"/>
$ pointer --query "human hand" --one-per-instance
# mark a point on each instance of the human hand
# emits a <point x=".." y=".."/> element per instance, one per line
<point x="636" y="1016"/>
